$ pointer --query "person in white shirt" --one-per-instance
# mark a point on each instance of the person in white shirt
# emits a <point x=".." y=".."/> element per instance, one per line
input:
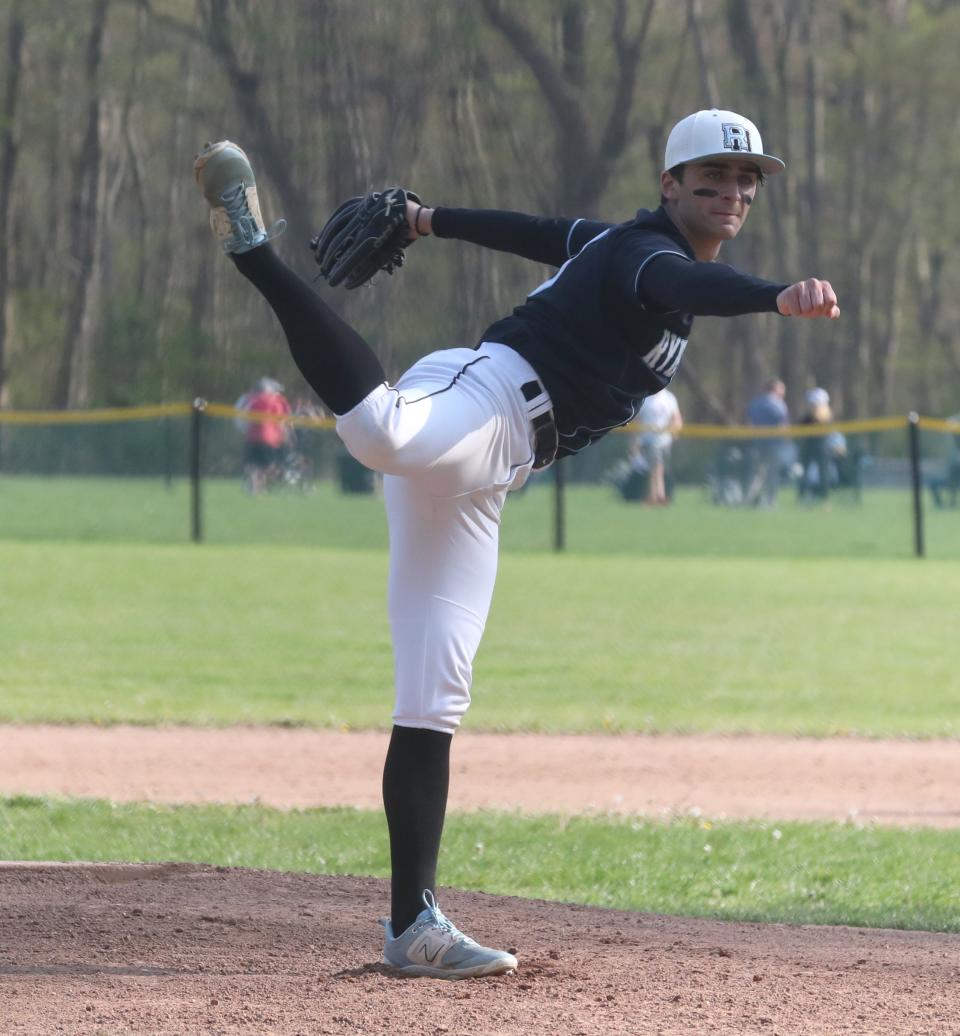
<point x="660" y="414"/>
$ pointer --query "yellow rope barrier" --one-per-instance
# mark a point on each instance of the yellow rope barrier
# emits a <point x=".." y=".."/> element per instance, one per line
<point x="254" y="416"/>
<point x="105" y="415"/>
<point x="792" y="431"/>
<point x="689" y="431"/>
<point x="934" y="424"/>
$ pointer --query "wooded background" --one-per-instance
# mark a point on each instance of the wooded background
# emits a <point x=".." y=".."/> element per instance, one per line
<point x="112" y="290"/>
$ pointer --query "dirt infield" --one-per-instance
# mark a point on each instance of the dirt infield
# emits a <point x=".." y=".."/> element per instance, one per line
<point x="103" y="950"/>
<point x="184" y="950"/>
<point x="899" y="782"/>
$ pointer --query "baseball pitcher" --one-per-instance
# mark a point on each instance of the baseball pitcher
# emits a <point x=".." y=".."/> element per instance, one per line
<point x="465" y="426"/>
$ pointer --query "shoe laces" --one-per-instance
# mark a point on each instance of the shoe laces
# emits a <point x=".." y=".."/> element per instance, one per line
<point x="238" y="211"/>
<point x="242" y="220"/>
<point x="443" y="922"/>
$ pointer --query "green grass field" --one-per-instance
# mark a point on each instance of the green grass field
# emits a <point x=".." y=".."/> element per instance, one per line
<point x="228" y="634"/>
<point x="596" y="520"/>
<point x="786" y="872"/>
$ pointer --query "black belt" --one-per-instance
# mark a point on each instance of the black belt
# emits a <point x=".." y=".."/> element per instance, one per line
<point x="544" y="428"/>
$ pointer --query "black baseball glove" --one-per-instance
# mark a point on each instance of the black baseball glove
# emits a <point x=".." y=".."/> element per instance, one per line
<point x="364" y="235"/>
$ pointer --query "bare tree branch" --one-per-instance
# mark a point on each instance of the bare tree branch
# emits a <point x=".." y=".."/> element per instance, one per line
<point x="629" y="51"/>
<point x="585" y="158"/>
<point x="556" y="90"/>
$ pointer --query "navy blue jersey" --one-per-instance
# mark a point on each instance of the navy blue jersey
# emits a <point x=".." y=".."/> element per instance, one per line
<point x="610" y="327"/>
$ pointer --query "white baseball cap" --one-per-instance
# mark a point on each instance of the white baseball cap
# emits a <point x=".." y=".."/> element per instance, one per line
<point x="717" y="134"/>
<point x="818" y="397"/>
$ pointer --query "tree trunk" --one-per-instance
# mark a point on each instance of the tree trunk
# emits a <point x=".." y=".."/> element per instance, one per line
<point x="86" y="233"/>
<point x="169" y="276"/>
<point x="133" y="154"/>
<point x="708" y="82"/>
<point x="893" y="326"/>
<point x="929" y="280"/>
<point x="8" y="168"/>
<point x="770" y="91"/>
<point x="813" y="137"/>
<point x="573" y="42"/>
<point x="271" y="151"/>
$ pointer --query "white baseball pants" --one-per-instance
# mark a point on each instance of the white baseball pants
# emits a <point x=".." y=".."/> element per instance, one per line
<point x="452" y="437"/>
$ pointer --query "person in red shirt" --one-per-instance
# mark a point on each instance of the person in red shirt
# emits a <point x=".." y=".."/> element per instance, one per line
<point x="264" y="441"/>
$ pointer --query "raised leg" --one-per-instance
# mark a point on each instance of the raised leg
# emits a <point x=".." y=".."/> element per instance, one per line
<point x="336" y="362"/>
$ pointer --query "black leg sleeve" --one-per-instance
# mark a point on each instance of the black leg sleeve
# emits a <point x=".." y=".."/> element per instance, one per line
<point x="336" y="362"/>
<point x="416" y="777"/>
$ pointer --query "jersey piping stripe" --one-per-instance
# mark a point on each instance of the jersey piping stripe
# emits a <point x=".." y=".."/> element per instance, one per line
<point x="430" y="395"/>
<point x="594" y="432"/>
<point x="570" y="234"/>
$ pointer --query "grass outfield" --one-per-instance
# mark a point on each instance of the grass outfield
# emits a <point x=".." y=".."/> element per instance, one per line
<point x="785" y="872"/>
<point x="597" y="521"/>
<point x="245" y="634"/>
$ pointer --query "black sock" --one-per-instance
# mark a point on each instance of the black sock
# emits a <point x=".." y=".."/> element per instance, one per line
<point x="337" y="363"/>
<point x="416" y="776"/>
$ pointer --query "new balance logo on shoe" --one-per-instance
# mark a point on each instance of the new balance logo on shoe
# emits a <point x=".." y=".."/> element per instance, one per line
<point x="426" y="946"/>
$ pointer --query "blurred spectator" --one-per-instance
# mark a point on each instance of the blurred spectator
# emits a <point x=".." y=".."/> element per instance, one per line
<point x="947" y="485"/>
<point x="768" y="456"/>
<point x="265" y="442"/>
<point x="815" y="450"/>
<point x="661" y="413"/>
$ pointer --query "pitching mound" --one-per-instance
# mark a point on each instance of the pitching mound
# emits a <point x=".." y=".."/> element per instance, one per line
<point x="184" y="949"/>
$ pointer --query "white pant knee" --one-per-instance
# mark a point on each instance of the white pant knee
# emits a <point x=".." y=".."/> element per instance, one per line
<point x="433" y="654"/>
<point x="443" y="562"/>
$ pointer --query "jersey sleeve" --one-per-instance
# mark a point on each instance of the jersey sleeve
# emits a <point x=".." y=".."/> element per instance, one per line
<point x="543" y="239"/>
<point x="654" y="272"/>
<point x="670" y="282"/>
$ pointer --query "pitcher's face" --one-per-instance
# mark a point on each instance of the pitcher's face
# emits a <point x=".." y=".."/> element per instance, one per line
<point x="712" y="200"/>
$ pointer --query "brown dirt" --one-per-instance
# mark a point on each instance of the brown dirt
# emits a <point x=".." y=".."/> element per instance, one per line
<point x="185" y="949"/>
<point x="898" y="782"/>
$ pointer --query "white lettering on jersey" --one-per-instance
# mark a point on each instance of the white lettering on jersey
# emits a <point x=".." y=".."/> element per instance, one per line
<point x="664" y="357"/>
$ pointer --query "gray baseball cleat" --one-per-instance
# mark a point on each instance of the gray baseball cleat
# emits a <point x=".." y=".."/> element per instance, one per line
<point x="226" y="178"/>
<point x="434" y="947"/>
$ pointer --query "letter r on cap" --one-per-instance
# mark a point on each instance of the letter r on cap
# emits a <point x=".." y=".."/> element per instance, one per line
<point x="736" y="137"/>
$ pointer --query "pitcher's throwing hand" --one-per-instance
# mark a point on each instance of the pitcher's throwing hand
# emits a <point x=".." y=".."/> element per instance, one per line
<point x="809" y="298"/>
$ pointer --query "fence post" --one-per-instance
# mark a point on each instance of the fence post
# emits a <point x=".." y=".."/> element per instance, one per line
<point x="196" y="447"/>
<point x="559" y="513"/>
<point x="916" y="475"/>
